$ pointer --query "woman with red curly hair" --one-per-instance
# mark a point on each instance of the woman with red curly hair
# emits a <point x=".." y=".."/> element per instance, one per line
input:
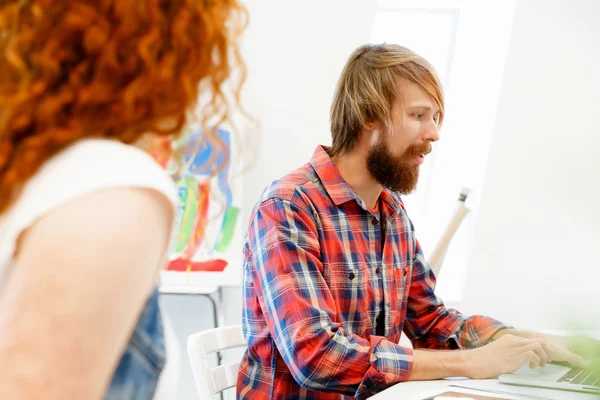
<point x="85" y="214"/>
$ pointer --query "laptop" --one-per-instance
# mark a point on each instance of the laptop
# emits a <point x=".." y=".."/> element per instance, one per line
<point x="555" y="376"/>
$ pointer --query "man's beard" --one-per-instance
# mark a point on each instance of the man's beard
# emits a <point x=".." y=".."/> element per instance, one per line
<point x="395" y="172"/>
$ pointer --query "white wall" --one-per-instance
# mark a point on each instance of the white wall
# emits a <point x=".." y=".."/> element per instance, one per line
<point x="295" y="51"/>
<point x="534" y="261"/>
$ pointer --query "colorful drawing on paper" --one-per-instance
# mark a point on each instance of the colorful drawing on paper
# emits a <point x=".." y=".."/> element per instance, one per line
<point x="207" y="214"/>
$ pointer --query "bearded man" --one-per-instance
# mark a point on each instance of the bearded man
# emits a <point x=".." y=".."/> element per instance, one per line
<point x="333" y="273"/>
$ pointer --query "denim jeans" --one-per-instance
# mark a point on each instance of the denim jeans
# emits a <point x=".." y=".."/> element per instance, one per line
<point x="140" y="366"/>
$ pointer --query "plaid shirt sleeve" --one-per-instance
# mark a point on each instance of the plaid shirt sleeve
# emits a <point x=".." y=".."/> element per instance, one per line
<point x="429" y="324"/>
<point x="299" y="308"/>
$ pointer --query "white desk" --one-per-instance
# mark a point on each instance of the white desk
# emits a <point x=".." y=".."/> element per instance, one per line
<point x="201" y="284"/>
<point x="424" y="389"/>
<point x="230" y="277"/>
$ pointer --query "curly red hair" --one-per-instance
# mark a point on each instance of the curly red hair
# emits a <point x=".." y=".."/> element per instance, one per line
<point x="109" y="68"/>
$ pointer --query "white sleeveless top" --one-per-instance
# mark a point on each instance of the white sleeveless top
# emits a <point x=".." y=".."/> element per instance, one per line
<point x="87" y="166"/>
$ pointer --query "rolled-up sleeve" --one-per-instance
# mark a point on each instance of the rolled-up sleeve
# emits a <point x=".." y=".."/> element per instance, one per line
<point x="429" y="324"/>
<point x="300" y="311"/>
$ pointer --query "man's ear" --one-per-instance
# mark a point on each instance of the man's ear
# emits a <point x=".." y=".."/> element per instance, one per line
<point x="372" y="125"/>
<point x="371" y="132"/>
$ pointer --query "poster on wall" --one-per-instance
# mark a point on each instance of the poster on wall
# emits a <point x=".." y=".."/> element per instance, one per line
<point x="207" y="243"/>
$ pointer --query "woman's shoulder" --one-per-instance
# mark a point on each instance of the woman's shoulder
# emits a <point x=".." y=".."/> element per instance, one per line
<point x="91" y="171"/>
<point x="84" y="168"/>
<point x="95" y="164"/>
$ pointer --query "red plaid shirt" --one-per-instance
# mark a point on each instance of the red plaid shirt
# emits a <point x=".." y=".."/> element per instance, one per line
<point x="313" y="273"/>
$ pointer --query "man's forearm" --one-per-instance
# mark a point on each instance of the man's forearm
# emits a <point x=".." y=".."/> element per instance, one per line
<point x="438" y="364"/>
<point x="505" y="354"/>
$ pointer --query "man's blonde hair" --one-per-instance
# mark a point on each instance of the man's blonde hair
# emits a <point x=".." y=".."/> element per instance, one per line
<point x="366" y="90"/>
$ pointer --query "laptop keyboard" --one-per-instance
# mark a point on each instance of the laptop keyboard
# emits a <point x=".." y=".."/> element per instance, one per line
<point x="579" y="376"/>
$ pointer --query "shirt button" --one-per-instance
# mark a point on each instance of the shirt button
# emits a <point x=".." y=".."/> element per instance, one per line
<point x="377" y="270"/>
<point x="351" y="276"/>
<point x="374" y="221"/>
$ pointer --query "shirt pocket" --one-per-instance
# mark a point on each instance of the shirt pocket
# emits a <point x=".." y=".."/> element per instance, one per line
<point x="351" y="291"/>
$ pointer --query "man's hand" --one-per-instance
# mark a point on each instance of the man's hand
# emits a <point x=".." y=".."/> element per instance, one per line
<point x="508" y="354"/>
<point x="558" y="348"/>
<point x="583" y="346"/>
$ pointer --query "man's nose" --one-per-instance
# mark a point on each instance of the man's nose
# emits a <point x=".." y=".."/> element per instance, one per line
<point x="432" y="134"/>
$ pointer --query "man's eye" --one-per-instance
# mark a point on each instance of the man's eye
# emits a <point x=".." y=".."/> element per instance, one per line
<point x="419" y="115"/>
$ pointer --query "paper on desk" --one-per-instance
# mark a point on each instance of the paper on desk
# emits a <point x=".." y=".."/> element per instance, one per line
<point x="466" y="394"/>
<point x="493" y="386"/>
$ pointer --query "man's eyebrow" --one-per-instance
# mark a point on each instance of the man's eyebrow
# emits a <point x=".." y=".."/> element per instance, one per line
<point x="425" y="107"/>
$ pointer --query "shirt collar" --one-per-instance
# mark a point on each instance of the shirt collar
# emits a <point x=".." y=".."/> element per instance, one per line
<point x="337" y="188"/>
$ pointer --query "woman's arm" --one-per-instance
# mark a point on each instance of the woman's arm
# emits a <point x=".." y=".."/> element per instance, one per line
<point x="73" y="295"/>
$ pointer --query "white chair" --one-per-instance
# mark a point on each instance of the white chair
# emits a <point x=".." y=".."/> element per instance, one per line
<point x="212" y="381"/>
<point x="439" y="252"/>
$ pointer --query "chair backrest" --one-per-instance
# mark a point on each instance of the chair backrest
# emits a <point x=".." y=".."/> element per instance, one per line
<point x="211" y="381"/>
<point x="439" y="251"/>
